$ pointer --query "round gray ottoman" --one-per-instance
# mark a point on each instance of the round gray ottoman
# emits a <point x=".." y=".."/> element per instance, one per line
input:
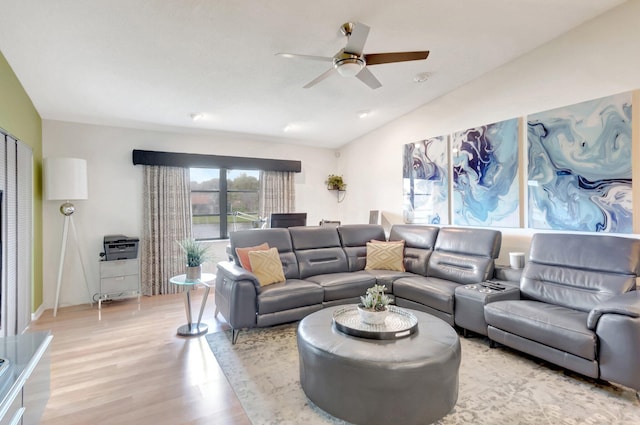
<point x="413" y="380"/>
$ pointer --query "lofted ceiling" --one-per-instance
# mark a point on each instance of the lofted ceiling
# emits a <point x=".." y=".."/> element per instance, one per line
<point x="151" y="64"/>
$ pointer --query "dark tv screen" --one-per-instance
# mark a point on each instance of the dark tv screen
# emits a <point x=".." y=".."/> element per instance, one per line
<point x="282" y="220"/>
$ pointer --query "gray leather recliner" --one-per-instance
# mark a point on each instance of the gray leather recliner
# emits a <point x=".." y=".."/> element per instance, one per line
<point x="245" y="304"/>
<point x="579" y="306"/>
<point x="460" y="256"/>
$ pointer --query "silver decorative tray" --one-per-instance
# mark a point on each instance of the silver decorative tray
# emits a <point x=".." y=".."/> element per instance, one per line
<point x="398" y="324"/>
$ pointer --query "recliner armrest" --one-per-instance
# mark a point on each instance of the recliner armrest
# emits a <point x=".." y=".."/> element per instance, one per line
<point x="507" y="273"/>
<point x="235" y="272"/>
<point x="627" y="304"/>
<point x="236" y="295"/>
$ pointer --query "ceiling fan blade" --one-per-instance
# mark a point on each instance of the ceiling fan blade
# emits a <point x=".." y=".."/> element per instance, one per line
<point x="368" y="78"/>
<point x="296" y="56"/>
<point x="380" y="58"/>
<point x="319" y="78"/>
<point x="357" y="38"/>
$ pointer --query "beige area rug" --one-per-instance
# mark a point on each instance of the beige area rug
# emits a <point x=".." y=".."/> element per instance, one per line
<point x="497" y="386"/>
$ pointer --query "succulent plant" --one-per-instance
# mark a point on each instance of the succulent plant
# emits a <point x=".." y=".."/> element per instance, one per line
<point x="375" y="298"/>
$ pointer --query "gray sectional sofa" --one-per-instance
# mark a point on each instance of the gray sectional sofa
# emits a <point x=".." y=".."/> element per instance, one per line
<point x="575" y="303"/>
<point x="325" y="266"/>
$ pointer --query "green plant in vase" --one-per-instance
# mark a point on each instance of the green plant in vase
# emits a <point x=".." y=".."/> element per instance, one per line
<point x="334" y="182"/>
<point x="373" y="305"/>
<point x="375" y="299"/>
<point x="196" y="254"/>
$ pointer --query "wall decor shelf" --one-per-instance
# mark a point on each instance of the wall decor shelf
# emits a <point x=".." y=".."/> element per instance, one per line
<point x="340" y="193"/>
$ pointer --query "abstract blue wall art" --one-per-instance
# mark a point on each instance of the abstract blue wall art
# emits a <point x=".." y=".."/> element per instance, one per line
<point x="485" y="175"/>
<point x="426" y="182"/>
<point x="579" y="173"/>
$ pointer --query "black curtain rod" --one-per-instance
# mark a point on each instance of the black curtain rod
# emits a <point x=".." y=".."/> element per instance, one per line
<point x="195" y="160"/>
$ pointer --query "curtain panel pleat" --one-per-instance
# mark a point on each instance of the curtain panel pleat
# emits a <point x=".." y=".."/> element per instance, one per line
<point x="167" y="220"/>
<point x="277" y="192"/>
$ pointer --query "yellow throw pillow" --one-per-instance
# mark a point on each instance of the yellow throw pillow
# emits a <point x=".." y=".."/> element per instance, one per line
<point x="267" y="266"/>
<point x="243" y="254"/>
<point x="385" y="256"/>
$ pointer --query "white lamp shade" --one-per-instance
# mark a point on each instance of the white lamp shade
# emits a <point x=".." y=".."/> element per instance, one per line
<point x="65" y="179"/>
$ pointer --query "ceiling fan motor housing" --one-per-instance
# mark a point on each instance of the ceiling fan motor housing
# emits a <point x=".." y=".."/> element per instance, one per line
<point x="348" y="65"/>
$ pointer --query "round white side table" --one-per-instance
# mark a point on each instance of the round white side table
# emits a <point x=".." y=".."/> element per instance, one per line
<point x="198" y="328"/>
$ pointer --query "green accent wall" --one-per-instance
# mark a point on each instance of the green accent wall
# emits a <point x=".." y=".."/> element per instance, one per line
<point x="19" y="118"/>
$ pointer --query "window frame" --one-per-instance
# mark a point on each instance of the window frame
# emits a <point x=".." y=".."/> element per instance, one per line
<point x="223" y="198"/>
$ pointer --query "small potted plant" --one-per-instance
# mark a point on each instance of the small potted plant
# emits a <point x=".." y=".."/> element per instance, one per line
<point x="196" y="253"/>
<point x="334" y="182"/>
<point x="373" y="305"/>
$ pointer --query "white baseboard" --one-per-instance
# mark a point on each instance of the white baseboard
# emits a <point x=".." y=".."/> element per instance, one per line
<point x="36" y="315"/>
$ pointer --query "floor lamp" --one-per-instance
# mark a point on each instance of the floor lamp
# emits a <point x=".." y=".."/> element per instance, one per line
<point x="65" y="179"/>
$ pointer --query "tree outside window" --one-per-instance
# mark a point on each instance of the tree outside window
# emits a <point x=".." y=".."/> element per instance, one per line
<point x="223" y="200"/>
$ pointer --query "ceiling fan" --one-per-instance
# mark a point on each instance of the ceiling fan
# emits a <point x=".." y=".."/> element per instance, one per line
<point x="350" y="61"/>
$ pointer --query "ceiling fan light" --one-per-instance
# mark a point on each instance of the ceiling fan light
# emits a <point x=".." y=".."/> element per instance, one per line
<point x="349" y="67"/>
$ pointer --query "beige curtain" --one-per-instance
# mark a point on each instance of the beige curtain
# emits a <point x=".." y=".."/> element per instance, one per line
<point x="277" y="193"/>
<point x="167" y="219"/>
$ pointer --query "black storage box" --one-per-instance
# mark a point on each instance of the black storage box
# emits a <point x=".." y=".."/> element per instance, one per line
<point x="120" y="247"/>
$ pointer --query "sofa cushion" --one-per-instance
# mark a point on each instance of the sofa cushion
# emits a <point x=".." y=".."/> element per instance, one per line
<point x="472" y="242"/>
<point x="318" y="251"/>
<point x="418" y="245"/>
<point x="552" y="325"/>
<point x="430" y="291"/>
<point x="387" y="277"/>
<point x="464" y="255"/>
<point x="275" y="238"/>
<point x="385" y="256"/>
<point x="460" y="268"/>
<point x="579" y="271"/>
<point x="321" y="261"/>
<point x="267" y="267"/>
<point x="572" y="288"/>
<point x="416" y="260"/>
<point x="338" y="286"/>
<point x="614" y="254"/>
<point x="354" y="238"/>
<point x="415" y="236"/>
<point x="243" y="254"/>
<point x="310" y="237"/>
<point x="293" y="293"/>
<point x="360" y="234"/>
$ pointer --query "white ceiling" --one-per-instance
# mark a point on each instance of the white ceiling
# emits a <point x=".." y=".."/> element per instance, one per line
<point x="151" y="63"/>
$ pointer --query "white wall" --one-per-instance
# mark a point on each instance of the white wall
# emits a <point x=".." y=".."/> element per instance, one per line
<point x="115" y="190"/>
<point x="598" y="59"/>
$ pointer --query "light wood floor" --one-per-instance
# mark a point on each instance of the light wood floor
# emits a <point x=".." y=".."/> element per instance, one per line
<point x="129" y="366"/>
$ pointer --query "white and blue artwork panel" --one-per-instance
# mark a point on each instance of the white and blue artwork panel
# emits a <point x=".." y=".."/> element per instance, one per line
<point x="425" y="181"/>
<point x="485" y="175"/>
<point x="579" y="171"/>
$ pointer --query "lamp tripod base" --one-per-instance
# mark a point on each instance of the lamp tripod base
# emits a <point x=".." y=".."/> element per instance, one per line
<point x="193" y="329"/>
<point x="67" y="209"/>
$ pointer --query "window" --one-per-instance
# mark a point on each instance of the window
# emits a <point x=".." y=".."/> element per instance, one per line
<point x="223" y="200"/>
